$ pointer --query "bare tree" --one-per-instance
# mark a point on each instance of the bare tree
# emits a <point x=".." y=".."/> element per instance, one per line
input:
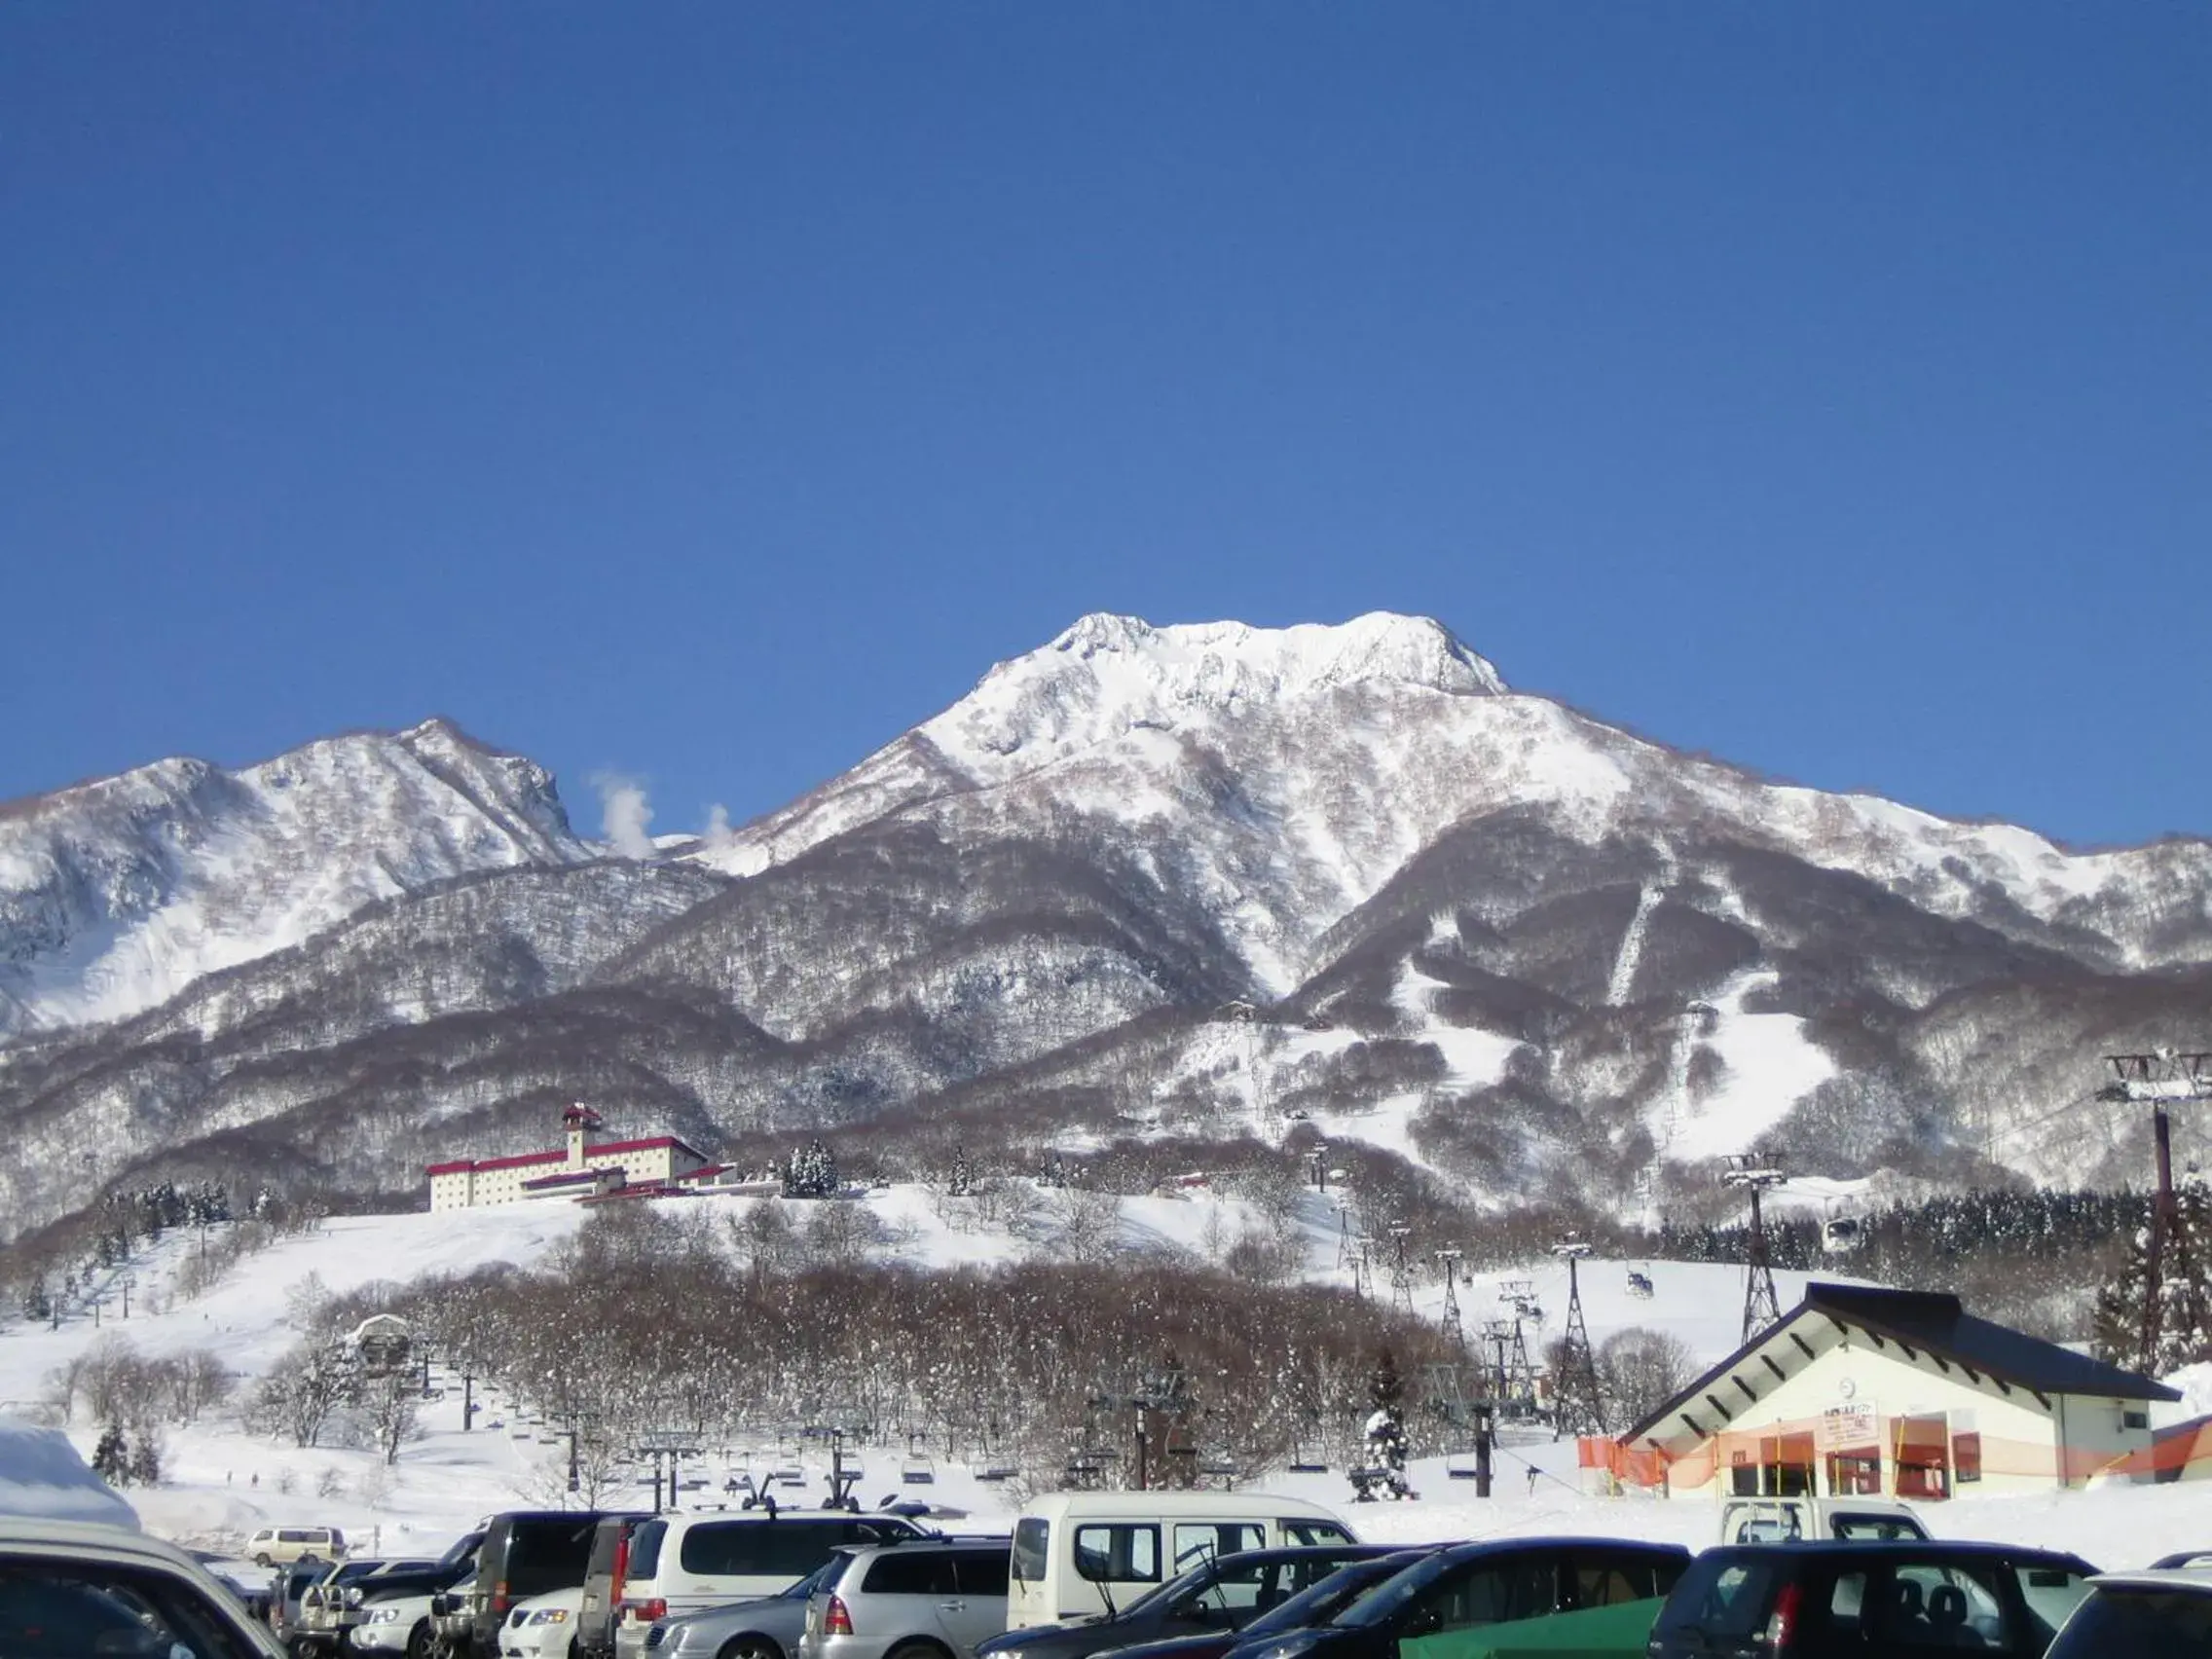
<point x="1640" y="1369"/>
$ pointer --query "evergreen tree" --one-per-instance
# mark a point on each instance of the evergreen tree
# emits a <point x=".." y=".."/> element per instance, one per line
<point x="145" y="1463"/>
<point x="963" y="1179"/>
<point x="37" y="1302"/>
<point x="111" y="1456"/>
<point x="1384" y="1472"/>
<point x="2185" y="1298"/>
<point x="812" y="1174"/>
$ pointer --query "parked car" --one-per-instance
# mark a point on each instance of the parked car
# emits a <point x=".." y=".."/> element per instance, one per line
<point x="541" y="1627"/>
<point x="108" y="1591"/>
<point x="1827" y="1597"/>
<point x="1784" y="1520"/>
<point x="1078" y="1554"/>
<point x="1463" y="1586"/>
<point x="526" y="1552"/>
<point x="916" y="1600"/>
<point x="681" y="1564"/>
<point x="278" y="1546"/>
<point x="1317" y="1603"/>
<point x="767" y="1628"/>
<point x="1217" y="1598"/>
<point x="330" y="1607"/>
<point x="604" y="1573"/>
<point x="287" y="1595"/>
<point x="395" y="1606"/>
<point x="2162" y="1612"/>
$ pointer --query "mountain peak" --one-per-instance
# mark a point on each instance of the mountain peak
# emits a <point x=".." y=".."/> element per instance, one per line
<point x="1109" y="674"/>
<point x="1309" y="656"/>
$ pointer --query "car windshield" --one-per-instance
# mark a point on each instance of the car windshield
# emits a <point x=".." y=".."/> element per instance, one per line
<point x="1319" y="1602"/>
<point x="1384" y="1605"/>
<point x="1184" y="1586"/>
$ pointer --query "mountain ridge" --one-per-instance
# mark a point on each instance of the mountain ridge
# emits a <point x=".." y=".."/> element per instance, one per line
<point x="1548" y="956"/>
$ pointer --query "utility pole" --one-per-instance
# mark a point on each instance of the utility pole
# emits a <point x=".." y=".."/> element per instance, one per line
<point x="1401" y="1271"/>
<point x="1756" y="1173"/>
<point x="1579" y="1406"/>
<point x="1320" y="1157"/>
<point x="1346" y="1253"/>
<point x="2160" y="1079"/>
<point x="1449" y="1325"/>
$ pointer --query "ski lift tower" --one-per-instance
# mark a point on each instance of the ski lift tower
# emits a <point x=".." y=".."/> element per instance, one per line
<point x="1521" y="1385"/>
<point x="1579" y="1408"/>
<point x="1756" y="1173"/>
<point x="1401" y="1271"/>
<point x="1454" y="1333"/>
<point x="2160" y="1079"/>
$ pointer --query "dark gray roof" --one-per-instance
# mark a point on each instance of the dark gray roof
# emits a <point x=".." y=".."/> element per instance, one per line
<point x="1933" y="1322"/>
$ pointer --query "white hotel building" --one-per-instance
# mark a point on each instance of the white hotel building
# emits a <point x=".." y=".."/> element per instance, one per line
<point x="581" y="1169"/>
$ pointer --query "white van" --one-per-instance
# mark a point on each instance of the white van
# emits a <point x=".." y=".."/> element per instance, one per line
<point x="685" y="1564"/>
<point x="1787" y="1519"/>
<point x="1080" y="1553"/>
<point x="280" y="1546"/>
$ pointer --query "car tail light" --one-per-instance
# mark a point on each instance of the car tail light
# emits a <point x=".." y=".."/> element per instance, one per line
<point x="501" y="1601"/>
<point x="837" y="1618"/>
<point x="1782" y="1623"/>
<point x="621" y="1571"/>
<point x="645" y="1612"/>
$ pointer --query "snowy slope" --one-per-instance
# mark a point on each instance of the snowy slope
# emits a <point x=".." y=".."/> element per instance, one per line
<point x="116" y="894"/>
<point x="223" y="1482"/>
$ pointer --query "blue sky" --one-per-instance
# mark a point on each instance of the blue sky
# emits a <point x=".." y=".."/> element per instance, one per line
<point x="711" y="391"/>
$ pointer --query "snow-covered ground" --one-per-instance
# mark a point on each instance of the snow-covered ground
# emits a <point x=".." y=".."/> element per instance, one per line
<point x="222" y="1481"/>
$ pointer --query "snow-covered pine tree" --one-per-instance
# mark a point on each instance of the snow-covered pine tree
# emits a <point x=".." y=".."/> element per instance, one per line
<point x="111" y="1456"/>
<point x="1381" y="1473"/>
<point x="2184" y="1294"/>
<point x="962" y="1181"/>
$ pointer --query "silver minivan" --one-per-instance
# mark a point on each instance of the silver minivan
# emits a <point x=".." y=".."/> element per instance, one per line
<point x="683" y="1564"/>
<point x="909" y="1600"/>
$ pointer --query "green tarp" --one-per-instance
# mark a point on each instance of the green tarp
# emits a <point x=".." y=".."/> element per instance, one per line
<point x="1618" y="1632"/>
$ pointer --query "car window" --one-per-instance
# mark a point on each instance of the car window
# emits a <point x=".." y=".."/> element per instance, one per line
<point x="1888" y="1528"/>
<point x="1120" y="1551"/>
<point x="981" y="1573"/>
<point x="2126" y="1619"/>
<point x="2051" y="1593"/>
<point x="1029" y="1557"/>
<point x="548" y="1555"/>
<point x="645" y="1550"/>
<point x="781" y="1550"/>
<point x="1950" y="1604"/>
<point x="1722" y="1597"/>
<point x="1207" y="1540"/>
<point x="910" y="1572"/>
<point x="1482" y="1592"/>
<point x="1300" y="1530"/>
<point x="1607" y="1578"/>
<point x="66" y="1609"/>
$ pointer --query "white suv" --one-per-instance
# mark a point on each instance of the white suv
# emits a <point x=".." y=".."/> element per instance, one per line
<point x="683" y="1564"/>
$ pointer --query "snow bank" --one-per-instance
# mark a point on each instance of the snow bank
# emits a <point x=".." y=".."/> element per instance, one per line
<point x="42" y="1476"/>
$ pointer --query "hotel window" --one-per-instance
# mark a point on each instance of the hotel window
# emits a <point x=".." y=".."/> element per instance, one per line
<point x="1966" y="1458"/>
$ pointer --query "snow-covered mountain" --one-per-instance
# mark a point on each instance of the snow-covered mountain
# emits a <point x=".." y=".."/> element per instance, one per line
<point x="117" y="894"/>
<point x="1144" y="883"/>
<point x="1305" y="766"/>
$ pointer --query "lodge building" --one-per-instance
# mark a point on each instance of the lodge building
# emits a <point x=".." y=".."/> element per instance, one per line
<point x="1865" y="1391"/>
